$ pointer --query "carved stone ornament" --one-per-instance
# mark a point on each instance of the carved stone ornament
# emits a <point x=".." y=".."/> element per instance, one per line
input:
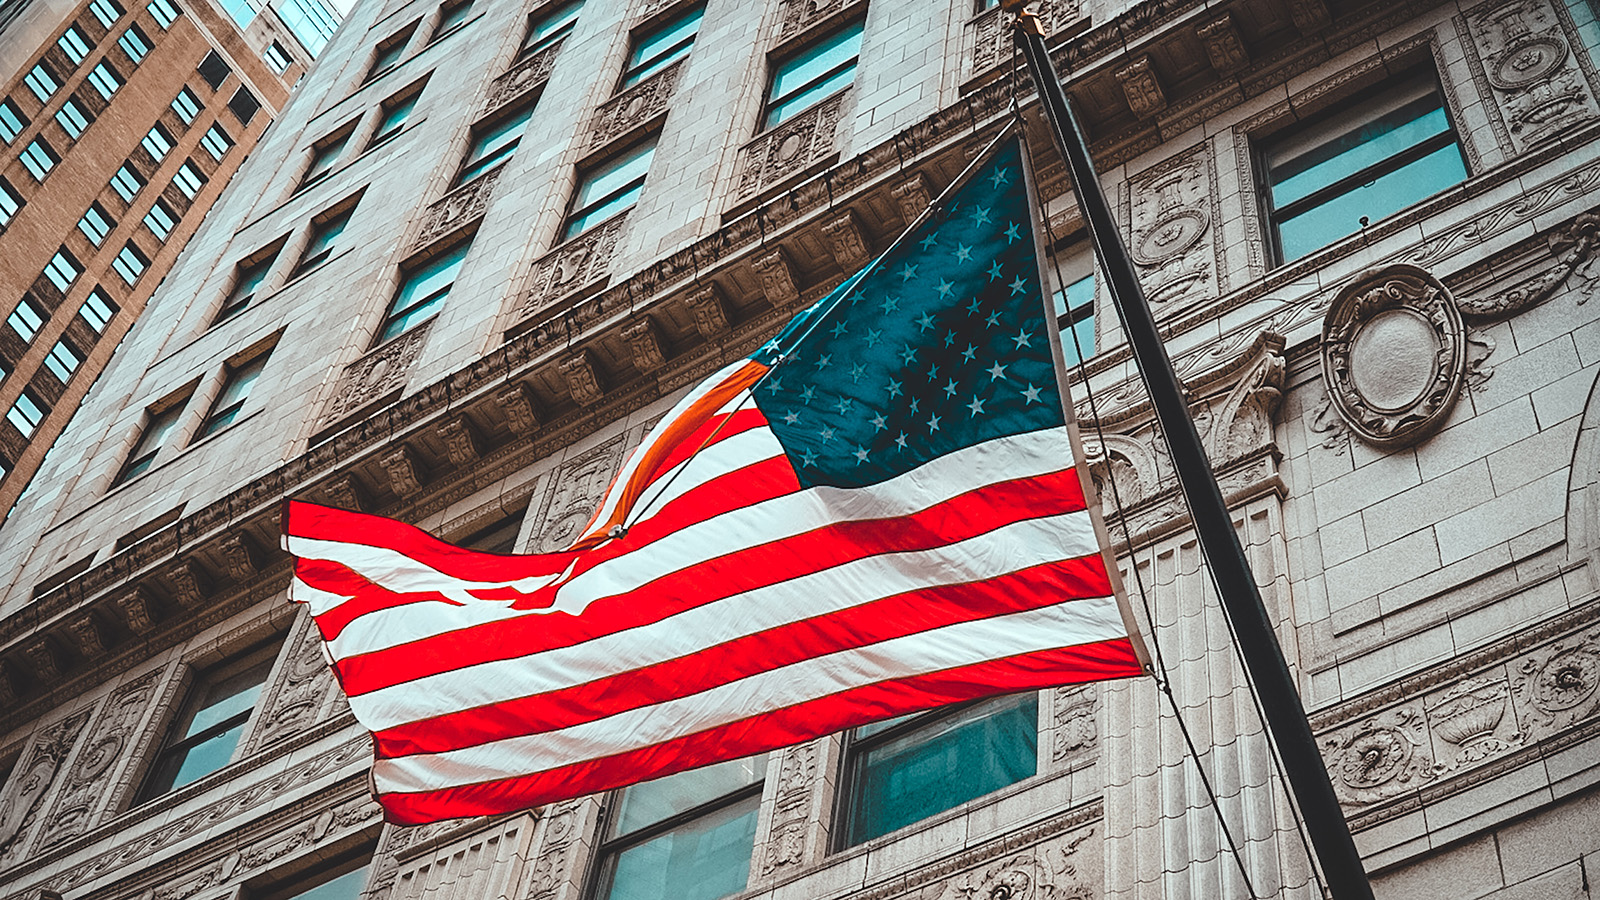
<point x="377" y="374"/>
<point x="240" y="555"/>
<point x="582" y="377"/>
<point x="1575" y="246"/>
<point x="292" y="702"/>
<point x="550" y="867"/>
<point x="1224" y="46"/>
<point x="635" y="106"/>
<point x="847" y="240"/>
<point x="1066" y="869"/>
<point x="191" y="582"/>
<point x="778" y="278"/>
<point x="89" y="640"/>
<point x="709" y="310"/>
<point x="575" y="491"/>
<point x="1141" y="88"/>
<point x="138" y="608"/>
<point x="1465" y="721"/>
<point x="914" y="197"/>
<point x="644" y="339"/>
<point x="457" y="209"/>
<point x="522" y="77"/>
<point x="573" y="265"/>
<point x="405" y="470"/>
<point x="1076" y="724"/>
<point x="1310" y="16"/>
<point x="460" y="440"/>
<point x="798" y="15"/>
<point x="1243" y="421"/>
<point x="516" y="402"/>
<point x="344" y="491"/>
<point x="87" y="789"/>
<point x="1174" y="245"/>
<point x="1521" y="49"/>
<point x="1379" y="758"/>
<point x="32" y="779"/>
<point x="1557" y="685"/>
<point x="789" y="149"/>
<point x="1393" y="355"/>
<point x="797" y="778"/>
<point x="989" y="34"/>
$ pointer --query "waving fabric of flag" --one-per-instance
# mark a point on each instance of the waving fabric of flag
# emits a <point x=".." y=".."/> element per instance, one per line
<point x="877" y="513"/>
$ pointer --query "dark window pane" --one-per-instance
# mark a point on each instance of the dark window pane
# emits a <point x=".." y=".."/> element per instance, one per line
<point x="706" y="858"/>
<point x="214" y="69"/>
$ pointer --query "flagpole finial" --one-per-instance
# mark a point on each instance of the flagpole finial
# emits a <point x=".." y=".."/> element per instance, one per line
<point x="1027" y="19"/>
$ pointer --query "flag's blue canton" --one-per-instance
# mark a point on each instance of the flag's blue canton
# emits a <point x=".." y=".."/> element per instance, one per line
<point x="940" y="347"/>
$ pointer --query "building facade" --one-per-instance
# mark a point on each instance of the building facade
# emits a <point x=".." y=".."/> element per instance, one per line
<point x="491" y="241"/>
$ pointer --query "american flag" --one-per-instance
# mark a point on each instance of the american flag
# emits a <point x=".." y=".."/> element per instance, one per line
<point x="877" y="513"/>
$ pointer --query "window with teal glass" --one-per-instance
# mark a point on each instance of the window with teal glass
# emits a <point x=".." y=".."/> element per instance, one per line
<point x="609" y="189"/>
<point x="12" y="120"/>
<point x="1351" y="166"/>
<point x="548" y="26"/>
<point x="245" y="283"/>
<point x="230" y="400"/>
<point x="493" y="143"/>
<point x="392" y="118"/>
<point x="662" y="46"/>
<point x="341" y="879"/>
<point x="813" y="75"/>
<point x="423" y="290"/>
<point x="451" y="18"/>
<point x="324" y="237"/>
<point x="904" y="770"/>
<point x="688" y="836"/>
<point x="206" y="733"/>
<point x="158" y="427"/>
<point x="1075" y="304"/>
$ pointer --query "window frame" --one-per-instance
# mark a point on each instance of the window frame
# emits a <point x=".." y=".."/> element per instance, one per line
<point x="168" y="214"/>
<point x="320" y="225"/>
<point x="63" y="269"/>
<point x="220" y="418"/>
<point x="26" y="320"/>
<point x="13" y="120"/>
<point x="771" y="104"/>
<point x="99" y="224"/>
<point x="183" y="109"/>
<point x="277" y="58"/>
<point x="124" y="175"/>
<point x="248" y="276"/>
<point x="158" y="142"/>
<point x="577" y="216"/>
<point x="75" y="44"/>
<point x="215" y="134"/>
<point x="533" y="41"/>
<point x="390" y="52"/>
<point x="11" y="203"/>
<point x="30" y="157"/>
<point x="105" y="80"/>
<point x="55" y="365"/>
<point x="123" y="268"/>
<point x="107" y="11"/>
<point x="452" y="18"/>
<point x="214" y="62"/>
<point x="435" y="299"/>
<point x="164" y="12"/>
<point x="79" y="118"/>
<point x="31" y="419"/>
<point x="406" y="97"/>
<point x="189" y="179"/>
<point x="480" y="159"/>
<point x="130" y="36"/>
<point x="636" y="70"/>
<point x="42" y="81"/>
<point x="98" y="295"/>
<point x="327" y="149"/>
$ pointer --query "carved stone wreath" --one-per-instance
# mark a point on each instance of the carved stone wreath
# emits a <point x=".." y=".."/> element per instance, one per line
<point x="1394" y="354"/>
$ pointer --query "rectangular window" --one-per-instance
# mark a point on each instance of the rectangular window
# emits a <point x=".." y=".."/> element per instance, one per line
<point x="188" y="179"/>
<point x="609" y="190"/>
<point x="26" y="414"/>
<point x="134" y="43"/>
<point x="501" y="537"/>
<point x="126" y="182"/>
<point x="1075" y="305"/>
<point x="107" y="11"/>
<point x="11" y="203"/>
<point x="187" y="106"/>
<point x="393" y="119"/>
<point x="73" y="44"/>
<point x="451" y="18"/>
<point x="105" y="79"/>
<point x="245" y="283"/>
<point x="62" y="270"/>
<point x="214" y="69"/>
<point x="277" y="58"/>
<point x="662" y="46"/>
<point x="422" y="292"/>
<point x="323" y="155"/>
<point x="42" y="82"/>
<point x="493" y="143"/>
<point x="217" y="142"/>
<point x="1349" y="167"/>
<point x="235" y="391"/>
<point x="96" y="224"/>
<point x="72" y="119"/>
<point x="161" y="220"/>
<point x="130" y="263"/>
<point x="244" y="105"/>
<point x="63" y="361"/>
<point x="25" y="320"/>
<point x="341" y="879"/>
<point x="389" y="52"/>
<point x="906" y="769"/>
<point x="686" y="835"/>
<point x="324" y="238"/>
<point x="39" y="158"/>
<point x="206" y="732"/>
<point x="12" y="121"/>
<point x="813" y="75"/>
<point x="157" y="142"/>
<point x="97" y="310"/>
<point x="546" y="29"/>
<point x="165" y="12"/>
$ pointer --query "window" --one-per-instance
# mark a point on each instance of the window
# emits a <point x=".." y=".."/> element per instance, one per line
<point x="12" y="121"/>
<point x="1075" y="305"/>
<point x="164" y="12"/>
<point x="393" y="119"/>
<point x="107" y="11"/>
<point x="25" y="320"/>
<point x="188" y="179"/>
<point x="451" y="18"/>
<point x="161" y="220"/>
<point x="249" y="278"/>
<point x="97" y="310"/>
<point x="324" y="236"/>
<point x="1353" y="165"/>
<point x="42" y="82"/>
<point x="686" y="835"/>
<point x="662" y="47"/>
<point x="157" y="142"/>
<point x="39" y="158"/>
<point x="244" y="105"/>
<point x="96" y="224"/>
<point x="10" y="203"/>
<point x="813" y="75"/>
<point x="214" y="69"/>
<point x="73" y="44"/>
<point x="126" y="182"/>
<point x="277" y="57"/>
<point x="341" y="881"/>
<point x="134" y="43"/>
<point x="187" y="106"/>
<point x="501" y="537"/>
<point x="493" y="143"/>
<point x="323" y="155"/>
<point x="216" y="142"/>
<point x="609" y="190"/>
<point x="62" y="270"/>
<point x="236" y="390"/>
<point x="545" y="29"/>
<point x="130" y="263"/>
<point x="422" y="292"/>
<point x="72" y="119"/>
<point x="105" y="79"/>
<point x="63" y="361"/>
<point x="206" y="733"/>
<point x="390" y="51"/>
<point x="26" y="414"/>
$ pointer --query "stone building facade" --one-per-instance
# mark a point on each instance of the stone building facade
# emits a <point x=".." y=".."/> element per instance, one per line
<point x="490" y="242"/>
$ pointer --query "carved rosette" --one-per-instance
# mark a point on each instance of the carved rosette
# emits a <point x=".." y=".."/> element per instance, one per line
<point x="635" y="106"/>
<point x="1380" y="757"/>
<point x="457" y="209"/>
<point x="709" y="310"/>
<point x="1174" y="245"/>
<point x="1394" y="355"/>
<point x="989" y="34"/>
<point x="378" y="373"/>
<point x="523" y="77"/>
<point x="573" y="265"/>
<point x="1522" y="51"/>
<point x="791" y="148"/>
<point x="1557" y="685"/>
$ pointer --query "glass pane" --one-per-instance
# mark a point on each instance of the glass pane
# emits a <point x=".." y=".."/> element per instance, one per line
<point x="541" y="29"/>
<point x="944" y="764"/>
<point x="663" y="48"/>
<point x="612" y="176"/>
<point x="228" y="697"/>
<point x="804" y="100"/>
<point x="203" y="758"/>
<point x="1340" y="216"/>
<point x="653" y="801"/>
<point x="499" y="137"/>
<point x="1077" y="340"/>
<point x="238" y="386"/>
<point x="1373" y="138"/>
<point x="413" y="317"/>
<point x="345" y="887"/>
<point x="703" y="859"/>
<point x="435" y="276"/>
<point x="816" y="61"/>
<point x="395" y="115"/>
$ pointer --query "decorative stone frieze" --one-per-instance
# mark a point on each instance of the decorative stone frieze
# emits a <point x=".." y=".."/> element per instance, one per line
<point x="345" y="492"/>
<point x="522" y="77"/>
<point x="1141" y="88"/>
<point x="488" y="862"/>
<point x="377" y="375"/>
<point x="1557" y="686"/>
<point x="299" y="690"/>
<point x="574" y="265"/>
<point x="406" y="472"/>
<point x="1574" y="247"/>
<point x="1224" y="46"/>
<point x="790" y="149"/>
<point x="239" y="554"/>
<point x="1381" y="757"/>
<point x="34" y="777"/>
<point x="798" y="15"/>
<point x="574" y="490"/>
<point x="989" y="41"/>
<point x="848" y="240"/>
<point x="1171" y="208"/>
<point x="1466" y="721"/>
<point x="460" y="440"/>
<point x="1393" y="355"/>
<point x="88" y="789"/>
<point x="644" y="339"/>
<point x="516" y="402"/>
<point x="914" y="196"/>
<point x="582" y="377"/>
<point x="457" y="209"/>
<point x="44" y="657"/>
<point x="1310" y="16"/>
<point x="191" y="582"/>
<point x="1522" y="50"/>
<point x="709" y="310"/>
<point x="635" y="106"/>
<point x="779" y="280"/>
<point x="138" y="609"/>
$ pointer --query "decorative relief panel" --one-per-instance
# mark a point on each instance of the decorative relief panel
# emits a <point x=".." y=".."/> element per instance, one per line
<point x="1142" y="88"/>
<point x="1059" y="859"/>
<point x="1557" y="686"/>
<point x="1394" y="355"/>
<point x="457" y="209"/>
<point x="572" y="266"/>
<point x="88" y="787"/>
<point x="1074" y="723"/>
<point x="1470" y="723"/>
<point x="796" y="829"/>
<point x="1522" y="51"/>
<point x="635" y="106"/>
<point x="522" y="77"/>
<point x="1171" y="211"/>
<point x="486" y="863"/>
<point x="798" y="15"/>
<point x="300" y="694"/>
<point x="574" y="494"/>
<point x="378" y="373"/>
<point x="31" y="780"/>
<point x="791" y="148"/>
<point x="1574" y="247"/>
<point x="989" y="35"/>
<point x="556" y="861"/>
<point x="1381" y="757"/>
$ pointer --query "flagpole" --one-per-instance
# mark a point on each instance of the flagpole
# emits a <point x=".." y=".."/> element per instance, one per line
<point x="1265" y="666"/>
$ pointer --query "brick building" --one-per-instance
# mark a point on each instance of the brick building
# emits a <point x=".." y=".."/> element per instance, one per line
<point x="491" y="240"/>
